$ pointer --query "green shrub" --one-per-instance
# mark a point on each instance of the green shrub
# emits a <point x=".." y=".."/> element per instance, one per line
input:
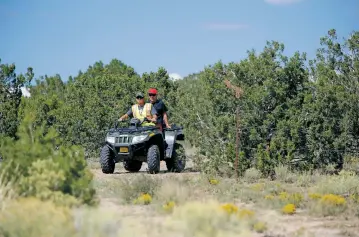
<point x="40" y="166"/>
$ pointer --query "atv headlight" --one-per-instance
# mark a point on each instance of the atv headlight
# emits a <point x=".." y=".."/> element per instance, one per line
<point x="138" y="139"/>
<point x="110" y="139"/>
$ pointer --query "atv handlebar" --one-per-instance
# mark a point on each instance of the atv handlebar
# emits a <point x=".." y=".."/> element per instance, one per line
<point x="146" y="120"/>
<point x="117" y="121"/>
<point x="124" y="121"/>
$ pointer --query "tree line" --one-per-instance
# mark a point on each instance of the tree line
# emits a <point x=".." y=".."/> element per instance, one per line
<point x="294" y="111"/>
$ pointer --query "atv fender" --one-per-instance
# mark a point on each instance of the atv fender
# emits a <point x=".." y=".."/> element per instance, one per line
<point x="171" y="138"/>
<point x="112" y="148"/>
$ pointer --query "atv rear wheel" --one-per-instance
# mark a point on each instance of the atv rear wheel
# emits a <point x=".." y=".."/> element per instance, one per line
<point x="132" y="165"/>
<point x="106" y="160"/>
<point x="177" y="162"/>
<point x="153" y="159"/>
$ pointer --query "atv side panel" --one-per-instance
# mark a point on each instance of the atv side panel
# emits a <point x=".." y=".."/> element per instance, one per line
<point x="170" y="137"/>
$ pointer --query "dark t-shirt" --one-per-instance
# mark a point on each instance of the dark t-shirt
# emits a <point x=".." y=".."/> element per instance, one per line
<point x="161" y="109"/>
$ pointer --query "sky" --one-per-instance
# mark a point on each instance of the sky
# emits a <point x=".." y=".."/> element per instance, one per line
<point x="63" y="37"/>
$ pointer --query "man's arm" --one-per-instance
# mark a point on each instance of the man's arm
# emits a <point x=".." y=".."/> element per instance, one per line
<point x="128" y="114"/>
<point x="165" y="117"/>
<point x="154" y="114"/>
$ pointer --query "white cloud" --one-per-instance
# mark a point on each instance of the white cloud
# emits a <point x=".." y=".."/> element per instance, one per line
<point x="25" y="92"/>
<point x="175" y="76"/>
<point x="226" y="26"/>
<point x="282" y="2"/>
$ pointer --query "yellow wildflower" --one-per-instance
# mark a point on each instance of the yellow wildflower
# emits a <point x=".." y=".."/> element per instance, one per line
<point x="314" y="196"/>
<point x="289" y="209"/>
<point x="332" y="199"/>
<point x="245" y="213"/>
<point x="283" y="196"/>
<point x="169" y="206"/>
<point x="144" y="199"/>
<point x="269" y="197"/>
<point x="355" y="197"/>
<point x="229" y="208"/>
<point x="213" y="181"/>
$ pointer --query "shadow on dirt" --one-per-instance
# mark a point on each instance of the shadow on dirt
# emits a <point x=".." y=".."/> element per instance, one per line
<point x="186" y="170"/>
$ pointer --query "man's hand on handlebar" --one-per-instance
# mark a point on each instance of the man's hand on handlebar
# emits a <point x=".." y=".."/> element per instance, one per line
<point x="149" y="120"/>
<point x="123" y="118"/>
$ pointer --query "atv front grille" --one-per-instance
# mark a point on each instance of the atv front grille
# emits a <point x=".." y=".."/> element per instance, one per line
<point x="124" y="139"/>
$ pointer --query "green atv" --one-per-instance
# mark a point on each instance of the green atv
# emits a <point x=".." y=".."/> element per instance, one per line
<point x="136" y="144"/>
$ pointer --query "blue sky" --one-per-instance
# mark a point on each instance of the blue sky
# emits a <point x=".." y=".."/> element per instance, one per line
<point x="183" y="36"/>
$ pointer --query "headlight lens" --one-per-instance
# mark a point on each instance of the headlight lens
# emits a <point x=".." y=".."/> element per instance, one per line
<point x="138" y="139"/>
<point x="110" y="139"/>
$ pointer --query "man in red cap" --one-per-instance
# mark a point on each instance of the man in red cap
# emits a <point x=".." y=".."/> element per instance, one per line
<point x="162" y="119"/>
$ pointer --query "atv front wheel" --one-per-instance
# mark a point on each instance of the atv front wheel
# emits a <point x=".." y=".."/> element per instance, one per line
<point x="132" y="165"/>
<point x="153" y="159"/>
<point x="177" y="163"/>
<point x="106" y="160"/>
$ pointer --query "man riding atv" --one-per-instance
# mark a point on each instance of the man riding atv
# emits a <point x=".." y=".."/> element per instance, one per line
<point x="161" y="108"/>
<point x="141" y="110"/>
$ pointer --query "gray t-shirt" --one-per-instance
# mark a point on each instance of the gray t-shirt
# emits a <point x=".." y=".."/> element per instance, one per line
<point x="130" y="113"/>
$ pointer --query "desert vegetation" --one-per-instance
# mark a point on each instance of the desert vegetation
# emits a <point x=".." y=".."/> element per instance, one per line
<point x="298" y="169"/>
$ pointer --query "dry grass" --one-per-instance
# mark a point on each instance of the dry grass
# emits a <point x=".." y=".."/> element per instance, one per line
<point x="6" y="193"/>
<point x="32" y="217"/>
<point x="191" y="204"/>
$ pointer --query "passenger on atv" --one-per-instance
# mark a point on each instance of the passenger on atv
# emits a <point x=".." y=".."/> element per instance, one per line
<point x="140" y="111"/>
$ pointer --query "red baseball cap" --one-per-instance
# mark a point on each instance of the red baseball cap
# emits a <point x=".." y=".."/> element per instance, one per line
<point x="152" y="91"/>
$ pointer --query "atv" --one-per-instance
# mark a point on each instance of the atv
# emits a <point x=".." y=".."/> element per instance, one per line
<point x="136" y="144"/>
